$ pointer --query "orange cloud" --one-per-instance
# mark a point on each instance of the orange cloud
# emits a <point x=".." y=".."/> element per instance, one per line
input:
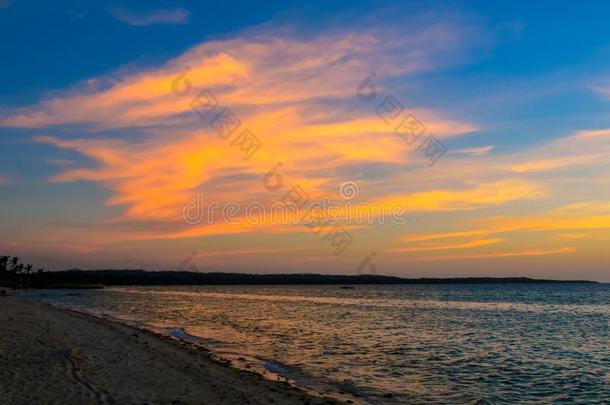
<point x="472" y="197"/>
<point x="551" y="222"/>
<point x="495" y="255"/>
<point x="447" y="235"/>
<point x="282" y="89"/>
<point x="246" y="74"/>
<point x="463" y="245"/>
<point x="593" y="133"/>
<point x="541" y="223"/>
<point x="298" y="96"/>
<point x="552" y="164"/>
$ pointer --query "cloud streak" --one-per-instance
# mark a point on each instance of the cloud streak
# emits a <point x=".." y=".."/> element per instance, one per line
<point x="497" y="255"/>
<point x="171" y="16"/>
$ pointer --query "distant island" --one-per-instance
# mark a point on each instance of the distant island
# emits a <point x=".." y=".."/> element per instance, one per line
<point x="93" y="278"/>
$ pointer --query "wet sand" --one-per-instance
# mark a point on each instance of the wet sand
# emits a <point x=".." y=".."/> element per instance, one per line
<point x="55" y="356"/>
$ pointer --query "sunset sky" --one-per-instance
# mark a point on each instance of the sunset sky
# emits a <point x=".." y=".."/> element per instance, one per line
<point x="102" y="151"/>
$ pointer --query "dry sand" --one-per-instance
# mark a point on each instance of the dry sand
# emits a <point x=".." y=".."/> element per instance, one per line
<point x="49" y="355"/>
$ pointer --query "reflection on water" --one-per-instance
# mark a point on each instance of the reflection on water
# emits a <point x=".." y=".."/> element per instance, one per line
<point x="393" y="344"/>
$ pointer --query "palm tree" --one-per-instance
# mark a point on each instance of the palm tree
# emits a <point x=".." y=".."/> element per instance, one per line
<point x="17" y="274"/>
<point x="3" y="264"/>
<point x="26" y="278"/>
<point x="38" y="277"/>
<point x="14" y="264"/>
<point x="20" y="276"/>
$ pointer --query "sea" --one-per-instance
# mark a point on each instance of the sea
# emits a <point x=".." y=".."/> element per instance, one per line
<point x="388" y="344"/>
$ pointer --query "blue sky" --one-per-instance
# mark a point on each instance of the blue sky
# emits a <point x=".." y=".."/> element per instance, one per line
<point x="517" y="92"/>
<point x="538" y="59"/>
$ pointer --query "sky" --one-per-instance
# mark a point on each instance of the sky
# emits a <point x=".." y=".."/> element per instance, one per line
<point x="419" y="139"/>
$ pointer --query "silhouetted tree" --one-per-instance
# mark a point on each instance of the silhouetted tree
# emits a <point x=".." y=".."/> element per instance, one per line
<point x="14" y="264"/>
<point x="15" y="274"/>
<point x="3" y="265"/>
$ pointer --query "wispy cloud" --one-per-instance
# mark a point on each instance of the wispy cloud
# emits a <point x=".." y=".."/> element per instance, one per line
<point x="170" y="16"/>
<point x="479" y="151"/>
<point x="603" y="90"/>
<point x="578" y="222"/>
<point x="496" y="255"/>
<point x="552" y="221"/>
<point x="472" y="196"/>
<point x="552" y="164"/>
<point x="450" y="246"/>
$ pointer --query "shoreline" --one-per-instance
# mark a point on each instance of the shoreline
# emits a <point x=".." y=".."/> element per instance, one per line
<point x="58" y="355"/>
<point x="248" y="363"/>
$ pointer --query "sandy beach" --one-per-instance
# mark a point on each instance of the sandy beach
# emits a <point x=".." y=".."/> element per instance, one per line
<point x="55" y="356"/>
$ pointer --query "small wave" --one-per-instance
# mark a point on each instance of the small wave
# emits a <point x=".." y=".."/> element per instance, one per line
<point x="390" y="303"/>
<point x="179" y="333"/>
<point x="274" y="368"/>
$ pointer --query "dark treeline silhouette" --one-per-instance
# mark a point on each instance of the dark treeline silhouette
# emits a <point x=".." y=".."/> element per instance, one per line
<point x="86" y="278"/>
<point x="18" y="275"/>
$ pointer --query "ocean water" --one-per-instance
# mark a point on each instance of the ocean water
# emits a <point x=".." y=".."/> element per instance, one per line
<point x="450" y="344"/>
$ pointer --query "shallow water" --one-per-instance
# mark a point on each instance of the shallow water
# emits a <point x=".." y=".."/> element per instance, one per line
<point x="392" y="344"/>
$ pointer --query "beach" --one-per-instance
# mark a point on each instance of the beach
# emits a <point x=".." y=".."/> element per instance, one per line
<point x="51" y="355"/>
<point x="373" y="344"/>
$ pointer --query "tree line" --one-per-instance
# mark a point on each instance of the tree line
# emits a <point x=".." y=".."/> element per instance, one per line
<point x="15" y="274"/>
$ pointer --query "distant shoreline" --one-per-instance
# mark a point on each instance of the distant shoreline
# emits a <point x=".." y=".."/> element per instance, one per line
<point x="100" y="278"/>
